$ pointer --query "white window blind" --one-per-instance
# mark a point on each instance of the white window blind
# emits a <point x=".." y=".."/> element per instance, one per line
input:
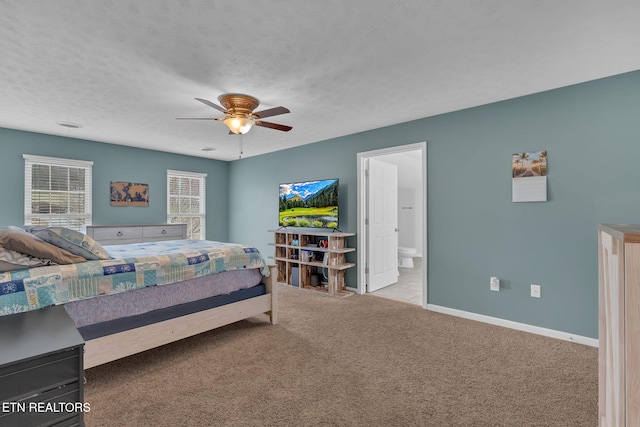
<point x="57" y="192"/>
<point x="186" y="201"/>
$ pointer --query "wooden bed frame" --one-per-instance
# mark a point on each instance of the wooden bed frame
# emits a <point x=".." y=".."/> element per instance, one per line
<point x="112" y="347"/>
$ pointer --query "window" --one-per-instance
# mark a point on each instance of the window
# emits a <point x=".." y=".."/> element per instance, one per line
<point x="57" y="192"/>
<point x="186" y="201"/>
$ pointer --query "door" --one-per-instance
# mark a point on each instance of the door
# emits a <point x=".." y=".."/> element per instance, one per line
<point x="382" y="243"/>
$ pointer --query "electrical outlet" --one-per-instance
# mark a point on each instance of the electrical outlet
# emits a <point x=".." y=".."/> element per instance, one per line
<point x="494" y="284"/>
<point x="536" y="291"/>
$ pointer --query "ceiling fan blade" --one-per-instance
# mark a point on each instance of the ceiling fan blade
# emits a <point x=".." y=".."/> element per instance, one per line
<point x="273" y="126"/>
<point x="271" y="112"/>
<point x="196" y="118"/>
<point x="211" y="104"/>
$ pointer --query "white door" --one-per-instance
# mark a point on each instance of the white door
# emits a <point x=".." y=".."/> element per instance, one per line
<point x="382" y="247"/>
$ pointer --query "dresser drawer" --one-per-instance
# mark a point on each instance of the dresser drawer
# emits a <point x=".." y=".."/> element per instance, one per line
<point x="38" y="374"/>
<point x="117" y="234"/>
<point x="163" y="232"/>
<point x="58" y="407"/>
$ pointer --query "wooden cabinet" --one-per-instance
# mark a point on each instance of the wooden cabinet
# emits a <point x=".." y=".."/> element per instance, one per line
<point x="619" y="325"/>
<point x="313" y="259"/>
<point x="41" y="369"/>
<point x="125" y="234"/>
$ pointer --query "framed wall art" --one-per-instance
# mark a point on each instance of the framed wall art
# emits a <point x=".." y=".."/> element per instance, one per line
<point x="129" y="194"/>
<point x="529" y="176"/>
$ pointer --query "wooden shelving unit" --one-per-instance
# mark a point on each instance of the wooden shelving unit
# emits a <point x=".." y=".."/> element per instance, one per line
<point x="299" y="258"/>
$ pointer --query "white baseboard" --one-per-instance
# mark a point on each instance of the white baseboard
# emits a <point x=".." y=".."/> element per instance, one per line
<point x="593" y="342"/>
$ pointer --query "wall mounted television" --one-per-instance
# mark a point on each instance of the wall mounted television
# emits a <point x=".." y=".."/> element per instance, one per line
<point x="312" y="204"/>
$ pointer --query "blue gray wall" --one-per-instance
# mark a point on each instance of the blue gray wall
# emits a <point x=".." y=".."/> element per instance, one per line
<point x="592" y="137"/>
<point x="590" y="132"/>
<point x="111" y="163"/>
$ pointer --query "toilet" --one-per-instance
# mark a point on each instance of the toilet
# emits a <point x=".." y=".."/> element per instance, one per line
<point x="405" y="257"/>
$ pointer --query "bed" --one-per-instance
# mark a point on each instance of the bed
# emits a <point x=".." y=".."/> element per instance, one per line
<point x="136" y="297"/>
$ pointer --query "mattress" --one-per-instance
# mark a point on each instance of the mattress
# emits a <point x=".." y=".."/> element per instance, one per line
<point x="126" y="322"/>
<point x="109" y="307"/>
<point x="134" y="266"/>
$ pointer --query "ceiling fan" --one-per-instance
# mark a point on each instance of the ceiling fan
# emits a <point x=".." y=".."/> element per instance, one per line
<point x="238" y="113"/>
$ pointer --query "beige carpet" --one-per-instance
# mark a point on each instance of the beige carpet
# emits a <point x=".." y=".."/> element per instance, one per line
<point x="354" y="361"/>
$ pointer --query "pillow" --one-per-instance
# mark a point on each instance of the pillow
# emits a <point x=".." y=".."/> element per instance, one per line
<point x="73" y="241"/>
<point x="17" y="239"/>
<point x="12" y="260"/>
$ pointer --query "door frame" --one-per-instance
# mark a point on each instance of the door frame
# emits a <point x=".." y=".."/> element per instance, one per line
<point x="362" y="159"/>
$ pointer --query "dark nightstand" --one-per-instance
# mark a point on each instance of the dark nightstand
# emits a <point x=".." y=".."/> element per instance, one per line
<point x="41" y="369"/>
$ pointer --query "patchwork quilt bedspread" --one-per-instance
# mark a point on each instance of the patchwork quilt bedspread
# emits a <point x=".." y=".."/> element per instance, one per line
<point x="133" y="266"/>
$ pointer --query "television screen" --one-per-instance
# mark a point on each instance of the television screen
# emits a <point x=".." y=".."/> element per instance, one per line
<point x="309" y="204"/>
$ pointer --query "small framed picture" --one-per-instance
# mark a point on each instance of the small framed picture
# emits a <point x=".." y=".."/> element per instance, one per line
<point x="129" y="194"/>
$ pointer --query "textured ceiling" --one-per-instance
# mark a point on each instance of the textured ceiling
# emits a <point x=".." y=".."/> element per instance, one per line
<point x="125" y="69"/>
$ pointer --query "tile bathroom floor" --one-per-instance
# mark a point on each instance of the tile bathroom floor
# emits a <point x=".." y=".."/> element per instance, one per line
<point x="409" y="286"/>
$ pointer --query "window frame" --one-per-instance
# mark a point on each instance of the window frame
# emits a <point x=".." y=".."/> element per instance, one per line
<point x="50" y="217"/>
<point x="202" y="215"/>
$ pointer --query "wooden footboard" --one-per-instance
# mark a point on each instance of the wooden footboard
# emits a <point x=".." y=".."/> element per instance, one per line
<point x="112" y="347"/>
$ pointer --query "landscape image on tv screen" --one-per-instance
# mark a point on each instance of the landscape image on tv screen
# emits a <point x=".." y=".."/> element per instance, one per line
<point x="309" y="204"/>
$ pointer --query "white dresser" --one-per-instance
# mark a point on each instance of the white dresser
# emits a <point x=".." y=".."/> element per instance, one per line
<point x="124" y="234"/>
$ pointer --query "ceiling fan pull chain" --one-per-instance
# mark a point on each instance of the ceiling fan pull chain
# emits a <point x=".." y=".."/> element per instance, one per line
<point x="241" y="148"/>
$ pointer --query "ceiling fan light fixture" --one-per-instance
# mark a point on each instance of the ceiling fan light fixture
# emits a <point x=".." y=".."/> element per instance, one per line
<point x="239" y="125"/>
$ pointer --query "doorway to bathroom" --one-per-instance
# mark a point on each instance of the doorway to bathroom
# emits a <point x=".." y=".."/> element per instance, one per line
<point x="392" y="223"/>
